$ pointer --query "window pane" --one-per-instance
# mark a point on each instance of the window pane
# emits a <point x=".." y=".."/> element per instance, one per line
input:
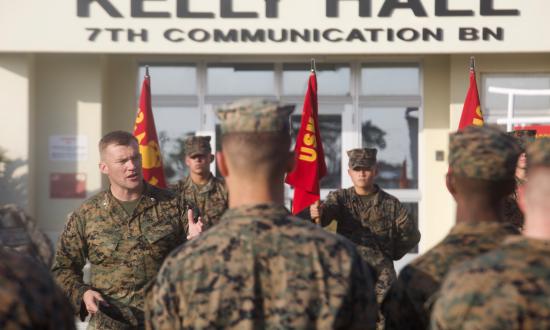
<point x="330" y="126"/>
<point x="241" y="79"/>
<point x="394" y="132"/>
<point x="495" y="105"/>
<point x="173" y="126"/>
<point x="170" y="80"/>
<point x="332" y="79"/>
<point x="400" y="80"/>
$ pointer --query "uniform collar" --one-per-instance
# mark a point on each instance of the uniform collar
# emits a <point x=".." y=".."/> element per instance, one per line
<point x="257" y="210"/>
<point x="530" y="243"/>
<point x="147" y="199"/>
<point x="201" y="189"/>
<point x="376" y="195"/>
<point x="480" y="227"/>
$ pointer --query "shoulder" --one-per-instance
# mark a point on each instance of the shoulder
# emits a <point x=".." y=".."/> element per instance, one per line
<point x="161" y="195"/>
<point x="388" y="198"/>
<point x="92" y="205"/>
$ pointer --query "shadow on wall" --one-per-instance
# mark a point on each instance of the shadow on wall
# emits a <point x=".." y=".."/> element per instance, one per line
<point x="13" y="189"/>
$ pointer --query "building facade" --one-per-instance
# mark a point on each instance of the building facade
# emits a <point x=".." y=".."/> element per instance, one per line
<point x="391" y="74"/>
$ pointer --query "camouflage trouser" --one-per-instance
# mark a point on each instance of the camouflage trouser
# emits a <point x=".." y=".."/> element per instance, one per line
<point x="101" y="321"/>
<point x="385" y="273"/>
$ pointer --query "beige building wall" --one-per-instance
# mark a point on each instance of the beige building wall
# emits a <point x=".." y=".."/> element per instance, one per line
<point x="17" y="133"/>
<point x="89" y="95"/>
<point x="68" y="102"/>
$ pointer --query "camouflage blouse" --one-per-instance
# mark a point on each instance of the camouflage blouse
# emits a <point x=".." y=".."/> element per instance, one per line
<point x="507" y="288"/>
<point x="381" y="228"/>
<point x="409" y="301"/>
<point x="29" y="298"/>
<point x="261" y="268"/>
<point x="125" y="252"/>
<point x="211" y="199"/>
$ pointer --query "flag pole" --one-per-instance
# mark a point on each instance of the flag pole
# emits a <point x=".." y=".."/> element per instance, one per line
<point x="147" y="72"/>
<point x="313" y="66"/>
<point x="472" y="63"/>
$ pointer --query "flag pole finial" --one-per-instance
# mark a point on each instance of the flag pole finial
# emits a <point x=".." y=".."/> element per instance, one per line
<point x="313" y="66"/>
<point x="472" y="63"/>
<point x="147" y="71"/>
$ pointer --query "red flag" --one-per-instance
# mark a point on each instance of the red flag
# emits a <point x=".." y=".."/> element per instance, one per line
<point x="146" y="134"/>
<point x="471" y="111"/>
<point x="309" y="157"/>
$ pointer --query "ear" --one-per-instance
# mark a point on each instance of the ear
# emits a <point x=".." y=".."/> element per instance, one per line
<point x="450" y="183"/>
<point x="212" y="157"/>
<point x="103" y="168"/>
<point x="187" y="160"/>
<point x="520" y="192"/>
<point x="349" y="172"/>
<point x="222" y="164"/>
<point x="375" y="170"/>
<point x="290" y="162"/>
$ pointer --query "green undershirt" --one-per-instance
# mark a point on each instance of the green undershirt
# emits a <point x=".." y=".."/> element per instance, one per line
<point x="129" y="206"/>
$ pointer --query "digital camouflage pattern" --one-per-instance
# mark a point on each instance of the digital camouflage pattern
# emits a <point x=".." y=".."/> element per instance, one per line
<point x="381" y="229"/>
<point x="483" y="152"/>
<point x="511" y="213"/>
<point x="507" y="288"/>
<point x="261" y="268"/>
<point x="19" y="233"/>
<point x="197" y="145"/>
<point x="362" y="157"/>
<point x="409" y="301"/>
<point x="254" y="116"/>
<point x="524" y="137"/>
<point x="538" y="153"/>
<point x="29" y="298"/>
<point x="125" y="252"/>
<point x="211" y="199"/>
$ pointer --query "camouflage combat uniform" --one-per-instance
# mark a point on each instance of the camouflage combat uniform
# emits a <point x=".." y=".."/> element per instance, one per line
<point x="261" y="268"/>
<point x="409" y="301"/>
<point x="125" y="252"/>
<point x="475" y="153"/>
<point x="211" y="199"/>
<point x="29" y="298"/>
<point x="19" y="233"/>
<point x="381" y="229"/>
<point x="507" y="288"/>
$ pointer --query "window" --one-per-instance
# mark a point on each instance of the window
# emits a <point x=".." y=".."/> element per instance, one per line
<point x="526" y="109"/>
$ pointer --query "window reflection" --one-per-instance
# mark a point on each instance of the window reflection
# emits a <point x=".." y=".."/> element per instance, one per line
<point x="400" y="80"/>
<point x="174" y="125"/>
<point x="394" y="132"/>
<point x="241" y="79"/>
<point x="170" y="80"/>
<point x="332" y="79"/>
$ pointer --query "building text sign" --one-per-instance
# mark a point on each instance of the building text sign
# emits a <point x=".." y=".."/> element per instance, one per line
<point x="274" y="26"/>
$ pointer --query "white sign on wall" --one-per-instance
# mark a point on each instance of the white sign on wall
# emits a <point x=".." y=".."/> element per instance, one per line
<point x="274" y="26"/>
<point x="69" y="148"/>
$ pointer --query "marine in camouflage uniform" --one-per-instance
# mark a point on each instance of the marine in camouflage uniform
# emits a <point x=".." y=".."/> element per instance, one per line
<point x="125" y="248"/>
<point x="510" y="208"/>
<point x="260" y="267"/>
<point x="482" y="154"/>
<point x="19" y="233"/>
<point x="211" y="196"/>
<point x="377" y="223"/>
<point x="29" y="298"/>
<point x="507" y="288"/>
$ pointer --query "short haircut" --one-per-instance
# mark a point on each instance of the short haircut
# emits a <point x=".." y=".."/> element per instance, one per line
<point x="257" y="152"/>
<point x="491" y="190"/>
<point x="119" y="138"/>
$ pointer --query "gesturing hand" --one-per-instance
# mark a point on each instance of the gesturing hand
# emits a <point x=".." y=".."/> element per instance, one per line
<point x="194" y="228"/>
<point x="92" y="299"/>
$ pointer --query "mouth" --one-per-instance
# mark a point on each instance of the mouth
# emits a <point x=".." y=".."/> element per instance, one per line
<point x="133" y="177"/>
